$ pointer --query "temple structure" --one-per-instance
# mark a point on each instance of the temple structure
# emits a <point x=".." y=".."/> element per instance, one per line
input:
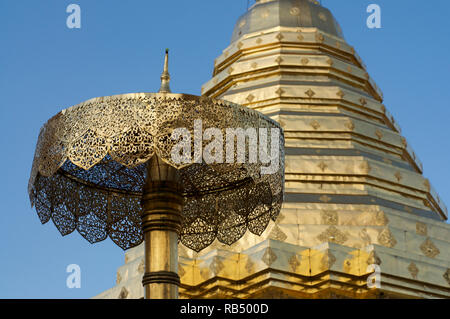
<point x="356" y="200"/>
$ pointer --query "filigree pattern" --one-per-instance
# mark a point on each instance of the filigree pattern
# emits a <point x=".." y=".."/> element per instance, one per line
<point x="334" y="235"/>
<point x="269" y="256"/>
<point x="386" y="238"/>
<point x="90" y="168"/>
<point x="429" y="249"/>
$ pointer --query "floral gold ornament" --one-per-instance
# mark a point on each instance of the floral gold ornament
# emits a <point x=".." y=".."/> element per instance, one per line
<point x="386" y="238"/>
<point x="334" y="235"/>
<point x="365" y="236"/>
<point x="322" y="166"/>
<point x="421" y="229"/>
<point x="325" y="198"/>
<point x="249" y="265"/>
<point x="310" y="93"/>
<point x="429" y="249"/>
<point x="413" y="270"/>
<point x="269" y="256"/>
<point x="447" y="276"/>
<point x="340" y="93"/>
<point x="279" y="92"/>
<point x="329" y="217"/>
<point x="398" y="176"/>
<point x="381" y="219"/>
<point x="319" y="37"/>
<point x="295" y="11"/>
<point x="350" y="125"/>
<point x="277" y="234"/>
<point x="315" y="125"/>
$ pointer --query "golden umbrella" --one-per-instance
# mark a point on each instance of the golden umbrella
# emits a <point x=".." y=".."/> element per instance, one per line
<point x="159" y="168"/>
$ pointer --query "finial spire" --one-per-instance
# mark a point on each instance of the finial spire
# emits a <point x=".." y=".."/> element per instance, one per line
<point x="165" y="76"/>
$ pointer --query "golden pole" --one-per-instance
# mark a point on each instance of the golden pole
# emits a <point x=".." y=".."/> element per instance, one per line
<point x="161" y="223"/>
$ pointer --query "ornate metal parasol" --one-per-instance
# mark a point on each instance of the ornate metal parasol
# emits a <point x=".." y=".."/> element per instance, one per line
<point x="113" y="166"/>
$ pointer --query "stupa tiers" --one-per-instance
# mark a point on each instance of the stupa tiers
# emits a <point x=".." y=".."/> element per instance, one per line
<point x="355" y="194"/>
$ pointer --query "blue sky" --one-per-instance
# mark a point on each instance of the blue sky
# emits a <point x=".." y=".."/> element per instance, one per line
<point x="45" y="67"/>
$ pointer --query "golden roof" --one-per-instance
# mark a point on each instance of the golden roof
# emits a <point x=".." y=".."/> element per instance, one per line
<point x="267" y="14"/>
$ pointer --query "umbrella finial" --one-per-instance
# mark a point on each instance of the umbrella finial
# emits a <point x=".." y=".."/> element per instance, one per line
<point x="165" y="76"/>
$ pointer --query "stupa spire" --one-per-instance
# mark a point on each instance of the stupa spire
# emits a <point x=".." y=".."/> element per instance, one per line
<point x="165" y="76"/>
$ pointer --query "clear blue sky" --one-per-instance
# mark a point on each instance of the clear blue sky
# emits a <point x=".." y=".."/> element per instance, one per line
<point x="44" y="67"/>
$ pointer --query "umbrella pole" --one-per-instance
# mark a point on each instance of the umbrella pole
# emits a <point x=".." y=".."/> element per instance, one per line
<point x="161" y="223"/>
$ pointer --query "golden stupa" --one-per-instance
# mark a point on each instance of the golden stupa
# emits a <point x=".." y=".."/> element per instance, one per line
<point x="359" y="220"/>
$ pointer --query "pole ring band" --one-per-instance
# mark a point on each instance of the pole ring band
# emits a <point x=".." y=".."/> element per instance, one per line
<point x="161" y="277"/>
